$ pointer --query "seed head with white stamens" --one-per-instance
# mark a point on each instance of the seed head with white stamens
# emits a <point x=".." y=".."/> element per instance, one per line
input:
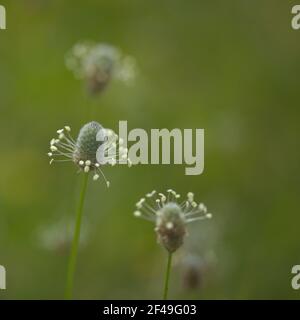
<point x="83" y="151"/>
<point x="170" y="216"/>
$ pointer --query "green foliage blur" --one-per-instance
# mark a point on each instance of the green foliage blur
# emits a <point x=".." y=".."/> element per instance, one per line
<point x="230" y="67"/>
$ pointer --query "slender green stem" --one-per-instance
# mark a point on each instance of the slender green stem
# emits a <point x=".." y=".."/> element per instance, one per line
<point x="167" y="278"/>
<point x="76" y="238"/>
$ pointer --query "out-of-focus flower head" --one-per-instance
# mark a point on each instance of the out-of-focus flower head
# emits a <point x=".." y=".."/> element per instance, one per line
<point x="98" y="63"/>
<point x="57" y="237"/>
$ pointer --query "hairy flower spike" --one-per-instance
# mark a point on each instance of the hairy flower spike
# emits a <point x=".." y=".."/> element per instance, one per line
<point x="98" y="63"/>
<point x="170" y="217"/>
<point x="83" y="151"/>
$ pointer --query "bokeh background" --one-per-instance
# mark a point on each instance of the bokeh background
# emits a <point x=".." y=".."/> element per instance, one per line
<point x="230" y="67"/>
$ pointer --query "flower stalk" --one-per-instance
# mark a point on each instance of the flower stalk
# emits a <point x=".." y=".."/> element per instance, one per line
<point x="167" y="277"/>
<point x="76" y="238"/>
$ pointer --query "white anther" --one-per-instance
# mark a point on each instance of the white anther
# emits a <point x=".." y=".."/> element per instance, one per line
<point x="208" y="215"/>
<point x="190" y="196"/>
<point x="86" y="169"/>
<point x="68" y="128"/>
<point x="137" y="213"/>
<point x="97" y="165"/>
<point x="51" y="161"/>
<point x="96" y="177"/>
<point x="53" y="148"/>
<point x="81" y="162"/>
<point x="60" y="131"/>
<point x="140" y="203"/>
<point x="202" y="207"/>
<point x="194" y="204"/>
<point x="163" y="199"/>
<point x="61" y="136"/>
<point x="88" y="163"/>
<point x="107" y="184"/>
<point x="50" y="154"/>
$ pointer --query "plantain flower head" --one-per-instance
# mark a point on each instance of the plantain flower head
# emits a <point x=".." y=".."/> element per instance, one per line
<point x="98" y="63"/>
<point x="94" y="148"/>
<point x="170" y="216"/>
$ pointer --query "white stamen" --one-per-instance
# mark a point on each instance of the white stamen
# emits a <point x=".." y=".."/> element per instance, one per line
<point x="190" y="196"/>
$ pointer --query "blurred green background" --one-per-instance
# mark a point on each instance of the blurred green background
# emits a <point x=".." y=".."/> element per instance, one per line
<point x="230" y="67"/>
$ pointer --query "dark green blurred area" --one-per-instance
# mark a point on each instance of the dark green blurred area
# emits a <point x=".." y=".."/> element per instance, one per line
<point x="230" y="67"/>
